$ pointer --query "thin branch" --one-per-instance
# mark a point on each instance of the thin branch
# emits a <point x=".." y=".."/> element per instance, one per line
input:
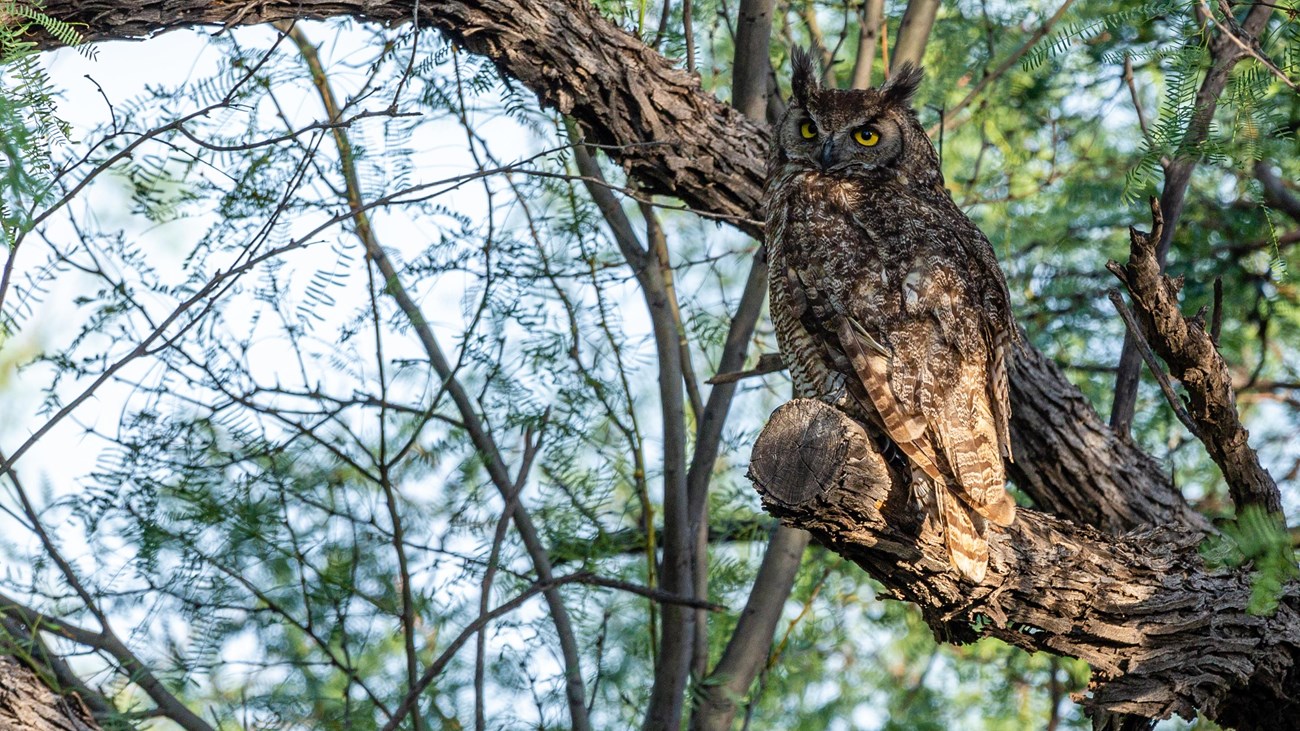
<point x="747" y="651"/>
<point x="353" y="190"/>
<point x="482" y="440"/>
<point x="767" y="363"/>
<point x="1249" y="44"/>
<point x="1133" y="94"/>
<point x="1216" y="320"/>
<point x="951" y="120"/>
<point x="1152" y="364"/>
<point x="676" y="640"/>
<point x="1276" y="192"/>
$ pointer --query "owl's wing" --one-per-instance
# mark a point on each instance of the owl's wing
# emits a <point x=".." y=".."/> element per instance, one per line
<point x="871" y="363"/>
<point x="963" y="533"/>
<point x="952" y="438"/>
<point x="999" y="344"/>
<point x="967" y="433"/>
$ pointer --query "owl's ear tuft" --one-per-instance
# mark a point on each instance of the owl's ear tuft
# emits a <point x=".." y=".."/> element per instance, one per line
<point x="803" y="82"/>
<point x="902" y="84"/>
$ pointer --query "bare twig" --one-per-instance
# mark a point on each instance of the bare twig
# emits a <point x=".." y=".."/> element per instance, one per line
<point x="1152" y="364"/>
<point x="1133" y="94"/>
<point x="767" y="363"/>
<point x="1216" y="320"/>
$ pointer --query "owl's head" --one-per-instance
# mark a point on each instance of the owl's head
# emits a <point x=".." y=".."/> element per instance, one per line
<point x="859" y="132"/>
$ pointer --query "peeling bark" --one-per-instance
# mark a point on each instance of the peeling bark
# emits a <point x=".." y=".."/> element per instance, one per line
<point x="1194" y="359"/>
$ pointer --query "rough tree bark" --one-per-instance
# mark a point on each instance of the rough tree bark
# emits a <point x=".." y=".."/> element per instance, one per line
<point x="1163" y="633"/>
<point x="27" y="703"/>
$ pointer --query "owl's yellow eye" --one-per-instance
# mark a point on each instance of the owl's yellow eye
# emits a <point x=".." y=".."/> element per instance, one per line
<point x="866" y="137"/>
<point x="808" y="130"/>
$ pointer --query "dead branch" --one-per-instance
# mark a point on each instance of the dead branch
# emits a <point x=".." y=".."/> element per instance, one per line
<point x="1184" y="344"/>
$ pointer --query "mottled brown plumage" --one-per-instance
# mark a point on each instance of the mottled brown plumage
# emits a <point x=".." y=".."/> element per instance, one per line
<point x="888" y="302"/>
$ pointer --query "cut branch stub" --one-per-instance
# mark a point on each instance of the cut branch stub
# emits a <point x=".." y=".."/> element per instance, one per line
<point x="1162" y="633"/>
<point x="817" y="434"/>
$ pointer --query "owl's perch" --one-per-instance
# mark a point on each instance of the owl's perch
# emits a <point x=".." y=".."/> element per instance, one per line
<point x="1162" y="633"/>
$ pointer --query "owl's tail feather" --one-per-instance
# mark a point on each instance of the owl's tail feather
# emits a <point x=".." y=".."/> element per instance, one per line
<point x="968" y="549"/>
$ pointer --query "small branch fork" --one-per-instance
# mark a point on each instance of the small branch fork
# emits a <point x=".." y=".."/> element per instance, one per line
<point x="1193" y="358"/>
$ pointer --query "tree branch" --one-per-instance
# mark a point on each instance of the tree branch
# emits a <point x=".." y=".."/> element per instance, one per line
<point x="1224" y="55"/>
<point x="1193" y="359"/>
<point x="751" y="65"/>
<point x="676" y="640"/>
<point x="870" y="21"/>
<point x="1163" y="635"/>
<point x="914" y="33"/>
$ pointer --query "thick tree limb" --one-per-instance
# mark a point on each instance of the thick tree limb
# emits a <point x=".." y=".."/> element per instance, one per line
<point x="751" y="66"/>
<point x="1162" y="633"/>
<point x="1193" y="359"/>
<point x="1072" y="464"/>
<point x="619" y="90"/>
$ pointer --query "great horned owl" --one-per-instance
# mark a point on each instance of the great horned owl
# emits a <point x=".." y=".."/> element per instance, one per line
<point x="888" y="302"/>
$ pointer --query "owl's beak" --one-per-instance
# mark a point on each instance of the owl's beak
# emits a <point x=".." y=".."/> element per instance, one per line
<point x="827" y="155"/>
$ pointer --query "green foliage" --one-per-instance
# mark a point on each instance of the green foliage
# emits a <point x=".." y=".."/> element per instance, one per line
<point x="28" y="123"/>
<point x="1260" y="539"/>
<point x="1083" y="31"/>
